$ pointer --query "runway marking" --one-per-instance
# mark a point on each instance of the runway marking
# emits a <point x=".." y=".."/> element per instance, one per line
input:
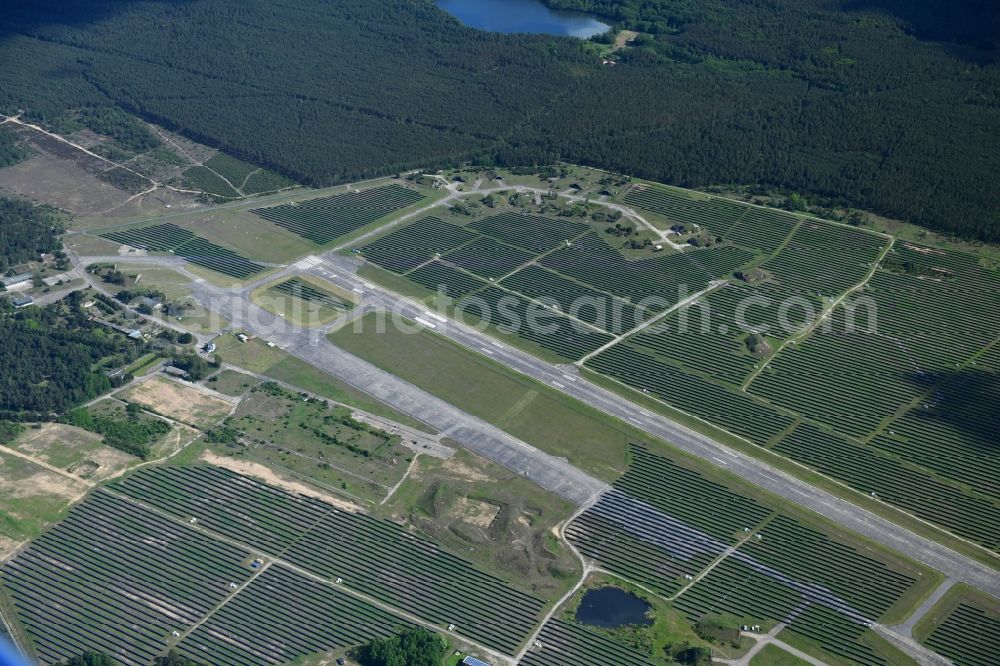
<point x="497" y="344"/>
<point x="557" y="384"/>
<point x="634" y="420"/>
<point x="719" y="460"/>
<point x="308" y="262"/>
<point x="435" y="316"/>
<point x="424" y="322"/>
<point x="487" y="351"/>
<point x="357" y="290"/>
<point x="570" y="378"/>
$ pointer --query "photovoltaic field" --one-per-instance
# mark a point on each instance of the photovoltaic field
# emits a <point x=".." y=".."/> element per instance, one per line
<point x="257" y="627"/>
<point x="328" y="218"/>
<point x="372" y="556"/>
<point x="183" y="243"/>
<point x="969" y="636"/>
<point x="118" y="578"/>
<point x="509" y="266"/>
<point x="569" y="644"/>
<point x="891" y="393"/>
<point x="305" y="291"/>
<point x="159" y="552"/>
<point x="663" y="524"/>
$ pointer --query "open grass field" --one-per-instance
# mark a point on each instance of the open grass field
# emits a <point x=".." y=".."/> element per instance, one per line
<point x="310" y="439"/>
<point x="175" y="439"/>
<point x="178" y="401"/>
<point x="231" y="383"/>
<point x="535" y="413"/>
<point x="32" y="497"/>
<point x="772" y="655"/>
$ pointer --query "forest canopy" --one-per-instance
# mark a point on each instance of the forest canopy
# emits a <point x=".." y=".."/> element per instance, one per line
<point x="26" y="230"/>
<point x="884" y="105"/>
<point x="54" y="358"/>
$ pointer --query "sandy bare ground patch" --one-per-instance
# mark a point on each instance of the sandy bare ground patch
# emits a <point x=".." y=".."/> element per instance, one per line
<point x="464" y="471"/>
<point x="61" y="183"/>
<point x="475" y="512"/>
<point x="268" y="475"/>
<point x="41" y="441"/>
<point x="179" y="401"/>
<point x="74" y="450"/>
<point x="7" y="546"/>
<point x="43" y="482"/>
<point x="923" y="250"/>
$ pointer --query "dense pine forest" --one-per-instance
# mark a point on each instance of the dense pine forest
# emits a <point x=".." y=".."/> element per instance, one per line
<point x="54" y="358"/>
<point x="27" y="230"/>
<point x="886" y="105"/>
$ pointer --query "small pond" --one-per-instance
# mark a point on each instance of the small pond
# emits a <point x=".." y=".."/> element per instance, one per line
<point x="611" y="607"/>
<point x="522" y="16"/>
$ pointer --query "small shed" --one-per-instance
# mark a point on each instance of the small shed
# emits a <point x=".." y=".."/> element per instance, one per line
<point x="20" y="301"/>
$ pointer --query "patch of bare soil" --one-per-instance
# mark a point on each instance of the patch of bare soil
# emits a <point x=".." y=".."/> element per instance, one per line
<point x="61" y="183"/>
<point x="460" y="469"/>
<point x="923" y="250"/>
<point x="178" y="401"/>
<point x="268" y="475"/>
<point x="7" y="546"/>
<point x="43" y="483"/>
<point x="475" y="512"/>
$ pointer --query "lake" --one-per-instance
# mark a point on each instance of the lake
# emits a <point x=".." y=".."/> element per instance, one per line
<point x="611" y="607"/>
<point x="522" y="16"/>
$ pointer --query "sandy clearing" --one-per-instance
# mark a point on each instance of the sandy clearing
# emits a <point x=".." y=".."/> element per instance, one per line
<point x="43" y="482"/>
<point x="178" y="401"/>
<point x="7" y="546"/>
<point x="475" y="512"/>
<point x="268" y="475"/>
<point x="464" y="471"/>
